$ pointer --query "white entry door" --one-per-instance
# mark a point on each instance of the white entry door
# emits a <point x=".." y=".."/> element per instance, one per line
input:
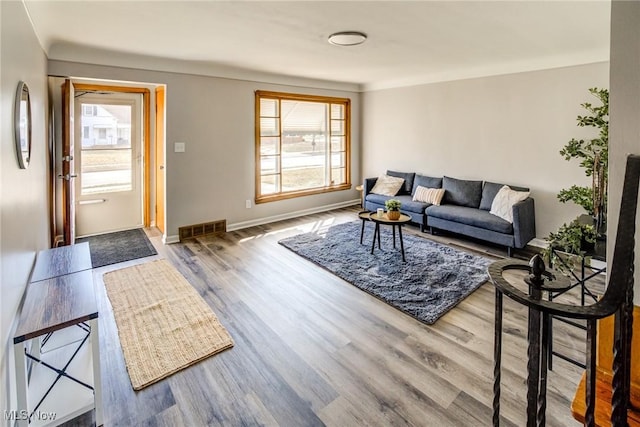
<point x="108" y="156"/>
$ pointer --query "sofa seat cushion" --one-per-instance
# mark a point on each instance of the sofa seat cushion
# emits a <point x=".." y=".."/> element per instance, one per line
<point x="377" y="198"/>
<point x="413" y="206"/>
<point x="407" y="204"/>
<point x="470" y="216"/>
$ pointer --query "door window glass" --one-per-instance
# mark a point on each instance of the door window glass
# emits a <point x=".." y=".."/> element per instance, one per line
<point x="106" y="155"/>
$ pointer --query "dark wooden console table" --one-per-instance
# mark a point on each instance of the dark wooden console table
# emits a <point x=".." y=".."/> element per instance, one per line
<point x="60" y="297"/>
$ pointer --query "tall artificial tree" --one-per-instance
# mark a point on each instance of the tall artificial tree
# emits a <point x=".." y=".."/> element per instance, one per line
<point x="593" y="155"/>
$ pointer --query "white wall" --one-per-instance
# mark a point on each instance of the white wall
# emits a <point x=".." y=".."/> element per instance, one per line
<point x="215" y="118"/>
<point x="24" y="225"/>
<point x="624" y="109"/>
<point x="505" y="128"/>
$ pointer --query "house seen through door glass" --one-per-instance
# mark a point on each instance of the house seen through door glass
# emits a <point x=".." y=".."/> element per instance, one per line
<point x="108" y="144"/>
<point x="106" y="148"/>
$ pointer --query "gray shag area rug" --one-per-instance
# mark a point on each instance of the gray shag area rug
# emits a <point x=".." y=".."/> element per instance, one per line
<point x="434" y="279"/>
<point x="112" y="248"/>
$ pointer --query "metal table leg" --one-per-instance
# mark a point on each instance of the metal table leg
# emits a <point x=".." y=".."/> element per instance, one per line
<point x="393" y="232"/>
<point x="401" y="242"/>
<point x="497" y="356"/>
<point x="376" y="233"/>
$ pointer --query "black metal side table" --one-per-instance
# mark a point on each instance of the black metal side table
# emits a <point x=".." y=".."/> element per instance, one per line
<point x="586" y="273"/>
<point x="617" y="299"/>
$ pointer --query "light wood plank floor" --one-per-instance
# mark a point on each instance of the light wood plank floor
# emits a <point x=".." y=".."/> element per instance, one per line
<point x="311" y="349"/>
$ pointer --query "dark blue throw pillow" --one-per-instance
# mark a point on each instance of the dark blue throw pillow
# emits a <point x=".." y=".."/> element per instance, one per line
<point x="462" y="192"/>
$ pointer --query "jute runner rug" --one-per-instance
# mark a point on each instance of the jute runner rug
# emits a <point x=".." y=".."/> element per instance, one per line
<point x="163" y="323"/>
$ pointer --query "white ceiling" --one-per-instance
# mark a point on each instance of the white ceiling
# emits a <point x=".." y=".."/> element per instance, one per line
<point x="409" y="42"/>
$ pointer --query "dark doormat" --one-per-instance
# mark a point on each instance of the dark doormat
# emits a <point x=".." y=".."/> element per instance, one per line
<point x="117" y="247"/>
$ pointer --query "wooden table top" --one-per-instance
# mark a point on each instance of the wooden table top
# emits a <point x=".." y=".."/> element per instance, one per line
<point x="62" y="260"/>
<point x="373" y="216"/>
<point x="56" y="303"/>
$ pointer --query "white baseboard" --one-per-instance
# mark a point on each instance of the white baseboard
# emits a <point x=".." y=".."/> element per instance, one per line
<point x="289" y="215"/>
<point x="167" y="240"/>
<point x="266" y="220"/>
<point x="538" y="243"/>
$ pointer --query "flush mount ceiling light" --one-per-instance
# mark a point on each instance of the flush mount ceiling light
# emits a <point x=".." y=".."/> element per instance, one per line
<point x="347" y="38"/>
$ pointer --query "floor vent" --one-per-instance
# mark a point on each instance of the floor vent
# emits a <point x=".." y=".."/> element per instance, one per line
<point x="198" y="230"/>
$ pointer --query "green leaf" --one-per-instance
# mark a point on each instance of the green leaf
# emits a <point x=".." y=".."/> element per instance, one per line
<point x="581" y="196"/>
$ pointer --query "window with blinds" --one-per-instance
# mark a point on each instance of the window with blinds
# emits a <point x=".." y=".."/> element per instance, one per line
<point x="302" y="145"/>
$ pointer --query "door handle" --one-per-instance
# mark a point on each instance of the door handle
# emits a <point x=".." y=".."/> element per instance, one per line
<point x="91" y="202"/>
<point x="161" y="167"/>
<point x="67" y="177"/>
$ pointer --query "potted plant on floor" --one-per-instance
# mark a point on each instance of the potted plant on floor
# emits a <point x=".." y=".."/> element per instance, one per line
<point x="393" y="208"/>
<point x="587" y="233"/>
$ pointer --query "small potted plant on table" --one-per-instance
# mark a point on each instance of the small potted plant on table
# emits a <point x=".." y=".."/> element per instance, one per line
<point x="393" y="208"/>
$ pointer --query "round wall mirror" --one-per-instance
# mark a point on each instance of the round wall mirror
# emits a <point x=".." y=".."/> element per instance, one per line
<point x="22" y="125"/>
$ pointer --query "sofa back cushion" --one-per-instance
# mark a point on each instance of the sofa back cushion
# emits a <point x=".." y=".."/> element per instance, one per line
<point x="408" y="180"/>
<point x="425" y="181"/>
<point x="462" y="192"/>
<point x="490" y="190"/>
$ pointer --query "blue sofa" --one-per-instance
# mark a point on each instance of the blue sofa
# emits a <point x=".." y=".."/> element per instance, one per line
<point x="464" y="209"/>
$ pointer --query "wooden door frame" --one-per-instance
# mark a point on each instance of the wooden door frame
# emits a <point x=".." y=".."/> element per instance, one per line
<point x="51" y="163"/>
<point x="160" y="147"/>
<point x="68" y="172"/>
<point x="146" y="126"/>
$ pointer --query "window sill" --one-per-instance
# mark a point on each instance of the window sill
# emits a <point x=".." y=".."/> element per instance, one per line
<point x="300" y="193"/>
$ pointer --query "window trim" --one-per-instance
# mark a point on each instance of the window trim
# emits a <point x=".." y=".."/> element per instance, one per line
<point x="264" y="198"/>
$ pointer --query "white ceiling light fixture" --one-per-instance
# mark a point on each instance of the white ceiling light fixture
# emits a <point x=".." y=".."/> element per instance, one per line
<point x="347" y="38"/>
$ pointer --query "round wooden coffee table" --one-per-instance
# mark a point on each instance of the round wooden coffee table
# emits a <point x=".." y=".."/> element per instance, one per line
<point x="373" y="216"/>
